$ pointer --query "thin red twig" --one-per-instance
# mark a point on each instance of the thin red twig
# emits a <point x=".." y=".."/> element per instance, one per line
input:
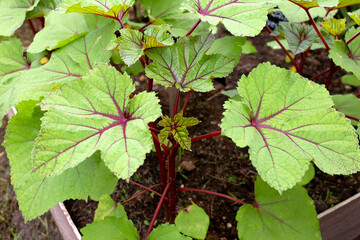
<point x="166" y="149"/>
<point x="352" y="38"/>
<point x="320" y="74"/>
<point x="176" y="103"/>
<point x="157" y="210"/>
<point x="316" y="29"/>
<point x="212" y="193"/>
<point x="214" y="134"/>
<point x="186" y="100"/>
<point x="139" y="194"/>
<point x="149" y="189"/>
<point x="193" y="27"/>
<point x="353" y="118"/>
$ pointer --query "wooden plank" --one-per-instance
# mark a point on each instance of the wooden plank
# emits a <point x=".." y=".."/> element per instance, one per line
<point x="64" y="222"/>
<point x="341" y="221"/>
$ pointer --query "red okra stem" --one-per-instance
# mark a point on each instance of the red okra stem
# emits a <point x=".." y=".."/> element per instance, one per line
<point x="139" y="194"/>
<point x="316" y="29"/>
<point x="351" y="39"/>
<point x="193" y="27"/>
<point x="214" y="134"/>
<point x="149" y="189"/>
<point x="171" y="180"/>
<point x="157" y="210"/>
<point x="176" y="103"/>
<point x="212" y="193"/>
<point x="353" y="118"/>
<point x="283" y="48"/>
<point x="186" y="100"/>
<point x="166" y="149"/>
<point x="333" y="69"/>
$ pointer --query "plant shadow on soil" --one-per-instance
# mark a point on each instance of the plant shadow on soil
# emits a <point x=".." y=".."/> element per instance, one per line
<point x="220" y="166"/>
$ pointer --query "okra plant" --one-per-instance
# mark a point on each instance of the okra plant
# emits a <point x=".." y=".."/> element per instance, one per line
<point x="80" y="127"/>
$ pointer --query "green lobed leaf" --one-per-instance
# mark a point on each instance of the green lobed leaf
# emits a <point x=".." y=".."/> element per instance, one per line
<point x="63" y="29"/>
<point x="193" y="222"/>
<point x="12" y="14"/>
<point x="96" y="113"/>
<point x="299" y="37"/>
<point x="108" y="208"/>
<point x="334" y="26"/>
<point x="248" y="48"/>
<point x="286" y="128"/>
<point x="70" y="62"/>
<point x="36" y="193"/>
<point x="355" y="16"/>
<point x="167" y="231"/>
<point x="133" y="43"/>
<point x="241" y="18"/>
<point x="43" y="8"/>
<point x="110" y="228"/>
<point x="348" y="104"/>
<point x="291" y="215"/>
<point x="351" y="80"/>
<point x="308" y="176"/>
<point x="328" y="3"/>
<point x="186" y="66"/>
<point x="114" y="9"/>
<point x="233" y="47"/>
<point x="345" y="3"/>
<point x="177" y="128"/>
<point x="347" y="57"/>
<point x="294" y="13"/>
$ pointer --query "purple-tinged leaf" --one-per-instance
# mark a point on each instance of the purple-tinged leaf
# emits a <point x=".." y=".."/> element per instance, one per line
<point x="288" y="121"/>
<point x="96" y="113"/>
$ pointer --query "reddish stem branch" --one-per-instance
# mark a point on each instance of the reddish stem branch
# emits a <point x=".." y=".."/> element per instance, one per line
<point x="316" y="29"/>
<point x="166" y="149"/>
<point x="212" y="193"/>
<point x="320" y="74"/>
<point x="214" y="134"/>
<point x="149" y="189"/>
<point x="284" y="49"/>
<point x="176" y="103"/>
<point x="143" y="27"/>
<point x="357" y="94"/>
<point x="351" y="39"/>
<point x="139" y="194"/>
<point x="333" y="69"/>
<point x="193" y="27"/>
<point x="150" y="84"/>
<point x="157" y="210"/>
<point x="171" y="180"/>
<point x="353" y="118"/>
<point x="186" y="100"/>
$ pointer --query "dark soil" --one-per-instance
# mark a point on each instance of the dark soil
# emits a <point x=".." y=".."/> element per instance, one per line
<point x="220" y="165"/>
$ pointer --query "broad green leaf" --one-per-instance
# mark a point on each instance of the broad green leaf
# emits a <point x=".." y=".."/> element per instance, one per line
<point x="167" y="231"/>
<point x="291" y="215"/>
<point x="294" y="13"/>
<point x="328" y="3"/>
<point x="177" y="127"/>
<point x="348" y="104"/>
<point x="96" y="113"/>
<point x="36" y="193"/>
<point x="241" y="18"/>
<point x="308" y="176"/>
<point x="351" y="80"/>
<point x="334" y="26"/>
<point x="307" y="4"/>
<point x="299" y="37"/>
<point x="43" y="8"/>
<point x="169" y="12"/>
<point x="114" y="9"/>
<point x="110" y="228"/>
<point x="186" y="66"/>
<point x="356" y="17"/>
<point x="345" y="3"/>
<point x="286" y="128"/>
<point x="12" y="14"/>
<point x="248" y="48"/>
<point x="133" y="43"/>
<point x="63" y="29"/>
<point x="108" y="208"/>
<point x="193" y="222"/>
<point x="233" y="46"/>
<point x="70" y="62"/>
<point x="347" y="57"/>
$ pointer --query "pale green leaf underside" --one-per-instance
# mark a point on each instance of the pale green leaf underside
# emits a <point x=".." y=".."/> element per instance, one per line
<point x="70" y="62"/>
<point x="291" y="215"/>
<point x="347" y="104"/>
<point x="296" y="14"/>
<point x="355" y="16"/>
<point x="186" y="66"/>
<point x="43" y="8"/>
<point x="37" y="193"/>
<point x="110" y="228"/>
<point x="347" y="57"/>
<point x="286" y="128"/>
<point x="241" y="18"/>
<point x="95" y="113"/>
<point x="193" y="222"/>
<point x="107" y="8"/>
<point x="108" y="208"/>
<point x="12" y="14"/>
<point x="167" y="231"/>
<point x="63" y="29"/>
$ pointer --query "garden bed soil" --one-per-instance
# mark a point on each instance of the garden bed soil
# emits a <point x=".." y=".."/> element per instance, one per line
<point x="219" y="165"/>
